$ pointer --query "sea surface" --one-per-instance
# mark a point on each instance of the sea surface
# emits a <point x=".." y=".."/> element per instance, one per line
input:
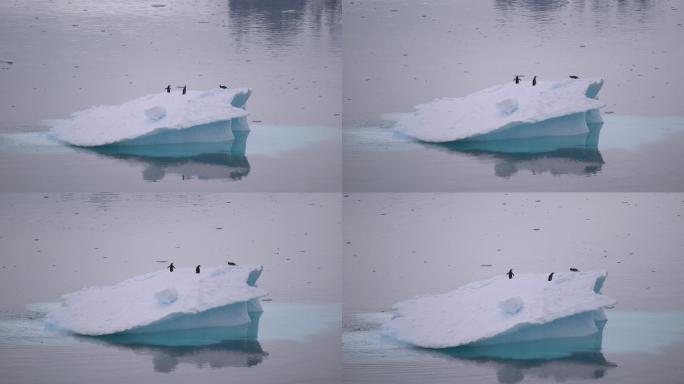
<point x="57" y="243"/>
<point x="399" y="54"/>
<point x="433" y="243"/>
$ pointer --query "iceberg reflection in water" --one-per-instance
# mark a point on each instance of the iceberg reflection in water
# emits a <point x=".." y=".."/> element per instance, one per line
<point x="577" y="358"/>
<point x="557" y="155"/>
<point x="215" y="347"/>
<point x="205" y="161"/>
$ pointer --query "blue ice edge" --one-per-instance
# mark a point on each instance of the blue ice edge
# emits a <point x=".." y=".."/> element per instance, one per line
<point x="214" y="347"/>
<point x="616" y="132"/>
<point x="624" y="332"/>
<point x="278" y="322"/>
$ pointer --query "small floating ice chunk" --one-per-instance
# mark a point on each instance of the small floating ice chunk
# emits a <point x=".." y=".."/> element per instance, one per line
<point x="484" y="313"/>
<point x="511" y="306"/>
<point x="551" y="108"/>
<point x="166" y="296"/>
<point x="162" y="118"/>
<point x="155" y="113"/>
<point x="163" y="301"/>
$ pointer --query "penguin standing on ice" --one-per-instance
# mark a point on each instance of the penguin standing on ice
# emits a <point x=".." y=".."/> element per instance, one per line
<point x="517" y="79"/>
<point x="171" y="267"/>
<point x="574" y="77"/>
<point x="231" y="263"/>
<point x="222" y="86"/>
<point x="197" y="269"/>
<point x="574" y="269"/>
<point x="551" y="276"/>
<point x="168" y="88"/>
<point x="534" y="81"/>
<point x="510" y="273"/>
<point x="185" y="88"/>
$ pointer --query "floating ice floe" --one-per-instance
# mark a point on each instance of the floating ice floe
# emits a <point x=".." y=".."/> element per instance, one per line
<point x="163" y="118"/>
<point x="501" y="310"/>
<point x="551" y="108"/>
<point x="163" y="301"/>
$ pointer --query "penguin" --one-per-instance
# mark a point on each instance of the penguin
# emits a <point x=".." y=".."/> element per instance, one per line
<point x="231" y="263"/>
<point x="222" y="86"/>
<point x="534" y="81"/>
<point x="185" y="88"/>
<point x="171" y="267"/>
<point x="574" y="77"/>
<point x="517" y="79"/>
<point x="551" y="276"/>
<point x="574" y="269"/>
<point x="168" y="88"/>
<point x="510" y="273"/>
<point x="197" y="269"/>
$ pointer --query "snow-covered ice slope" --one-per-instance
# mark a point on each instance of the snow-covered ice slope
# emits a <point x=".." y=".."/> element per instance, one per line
<point x="551" y="108"/>
<point x="502" y="310"/>
<point x="198" y="116"/>
<point x="162" y="300"/>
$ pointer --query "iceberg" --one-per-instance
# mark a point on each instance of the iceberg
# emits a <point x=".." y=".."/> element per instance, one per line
<point x="164" y="301"/>
<point x="503" y="311"/>
<point x="508" y="111"/>
<point x="163" y="118"/>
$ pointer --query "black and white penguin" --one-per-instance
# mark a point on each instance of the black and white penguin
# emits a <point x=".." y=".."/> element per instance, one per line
<point x="231" y="263"/>
<point x="222" y="86"/>
<point x="574" y="77"/>
<point x="551" y="276"/>
<point x="534" y="81"/>
<point x="168" y="88"/>
<point x="171" y="267"/>
<point x="510" y="273"/>
<point x="197" y="269"/>
<point x="185" y="88"/>
<point x="517" y="79"/>
<point x="574" y="269"/>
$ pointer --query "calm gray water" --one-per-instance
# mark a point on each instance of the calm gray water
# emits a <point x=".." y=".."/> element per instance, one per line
<point x="398" y="54"/>
<point x="434" y="243"/>
<point x="54" y="244"/>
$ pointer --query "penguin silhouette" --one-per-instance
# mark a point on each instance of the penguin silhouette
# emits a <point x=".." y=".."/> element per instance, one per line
<point x="517" y="79"/>
<point x="222" y="86"/>
<point x="551" y="276"/>
<point x="510" y="273"/>
<point x="574" y="77"/>
<point x="534" y="81"/>
<point x="197" y="269"/>
<point x="171" y="267"/>
<point x="574" y="269"/>
<point x="184" y="89"/>
<point x="168" y="88"/>
<point x="231" y="263"/>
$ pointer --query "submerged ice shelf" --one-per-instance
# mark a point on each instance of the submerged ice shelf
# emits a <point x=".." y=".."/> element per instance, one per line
<point x="551" y="108"/>
<point x="163" y="118"/>
<point x="501" y="311"/>
<point x="163" y="301"/>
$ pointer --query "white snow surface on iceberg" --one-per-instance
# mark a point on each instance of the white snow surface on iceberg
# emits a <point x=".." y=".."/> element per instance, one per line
<point x="504" y="107"/>
<point x="147" y="115"/>
<point x="156" y="296"/>
<point x="500" y="310"/>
